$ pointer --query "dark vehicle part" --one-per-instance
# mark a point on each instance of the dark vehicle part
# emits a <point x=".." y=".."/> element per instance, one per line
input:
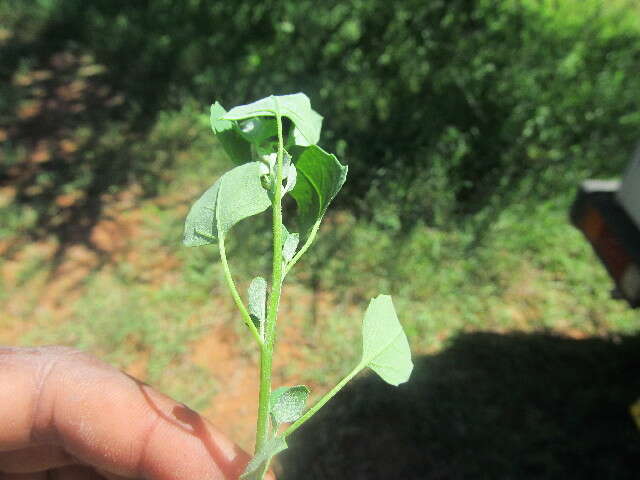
<point x="608" y="214"/>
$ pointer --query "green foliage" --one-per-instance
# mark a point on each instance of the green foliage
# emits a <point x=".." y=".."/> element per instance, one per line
<point x="257" y="294"/>
<point x="444" y="105"/>
<point x="234" y="197"/>
<point x="442" y="110"/>
<point x="296" y="107"/>
<point x="287" y="404"/>
<point x="290" y="245"/>
<point x="229" y="137"/>
<point x="320" y="178"/>
<point x="385" y="348"/>
<point x="249" y="189"/>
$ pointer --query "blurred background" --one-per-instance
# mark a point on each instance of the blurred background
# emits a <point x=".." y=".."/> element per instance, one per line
<point x="467" y="126"/>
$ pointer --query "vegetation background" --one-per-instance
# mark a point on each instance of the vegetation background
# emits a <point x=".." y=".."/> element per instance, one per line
<point x="467" y="126"/>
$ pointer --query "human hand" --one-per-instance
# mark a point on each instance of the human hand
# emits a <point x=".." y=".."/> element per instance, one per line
<point x="66" y="412"/>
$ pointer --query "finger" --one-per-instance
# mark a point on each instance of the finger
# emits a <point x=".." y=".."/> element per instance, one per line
<point x="74" y="472"/>
<point x="34" y="459"/>
<point x="106" y="419"/>
<point x="25" y="476"/>
<point x="110" y="476"/>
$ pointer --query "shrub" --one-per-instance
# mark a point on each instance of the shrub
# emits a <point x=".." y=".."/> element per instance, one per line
<point x="443" y="107"/>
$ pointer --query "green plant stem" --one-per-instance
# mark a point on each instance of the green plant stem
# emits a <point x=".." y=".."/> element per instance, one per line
<point x="234" y="292"/>
<point x="320" y="403"/>
<point x="266" y="350"/>
<point x="305" y="247"/>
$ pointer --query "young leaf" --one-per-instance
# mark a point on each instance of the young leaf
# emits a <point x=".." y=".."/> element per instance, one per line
<point x="290" y="177"/>
<point x="320" y="178"/>
<point x="238" y="194"/>
<point x="257" y="294"/>
<point x="257" y="130"/>
<point x="257" y="463"/>
<point x="286" y="404"/>
<point x="200" y="225"/>
<point x="296" y="107"/>
<point x="285" y="233"/>
<point x="268" y="172"/>
<point x="236" y="147"/>
<point x="385" y="348"/>
<point x="290" y="244"/>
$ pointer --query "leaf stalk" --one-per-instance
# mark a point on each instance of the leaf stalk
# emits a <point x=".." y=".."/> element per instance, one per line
<point x="234" y="293"/>
<point x="305" y="247"/>
<point x="320" y="403"/>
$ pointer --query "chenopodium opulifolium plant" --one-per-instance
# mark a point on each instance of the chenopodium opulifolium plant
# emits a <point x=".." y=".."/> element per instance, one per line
<point x="273" y="141"/>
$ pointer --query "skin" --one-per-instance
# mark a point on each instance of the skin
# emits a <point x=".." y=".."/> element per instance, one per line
<point x="66" y="415"/>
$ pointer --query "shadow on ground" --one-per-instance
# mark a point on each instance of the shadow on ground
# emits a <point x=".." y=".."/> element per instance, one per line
<point x="489" y="406"/>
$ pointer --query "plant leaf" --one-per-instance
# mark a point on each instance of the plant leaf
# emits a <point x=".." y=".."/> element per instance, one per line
<point x="200" y="225"/>
<point x="290" y="245"/>
<point x="234" y="145"/>
<point x="285" y="234"/>
<point x="257" y="294"/>
<point x="320" y="178"/>
<point x="256" y="464"/>
<point x="238" y="194"/>
<point x="257" y="130"/>
<point x="290" y="177"/>
<point x="286" y="404"/>
<point x="385" y="348"/>
<point x="296" y="107"/>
